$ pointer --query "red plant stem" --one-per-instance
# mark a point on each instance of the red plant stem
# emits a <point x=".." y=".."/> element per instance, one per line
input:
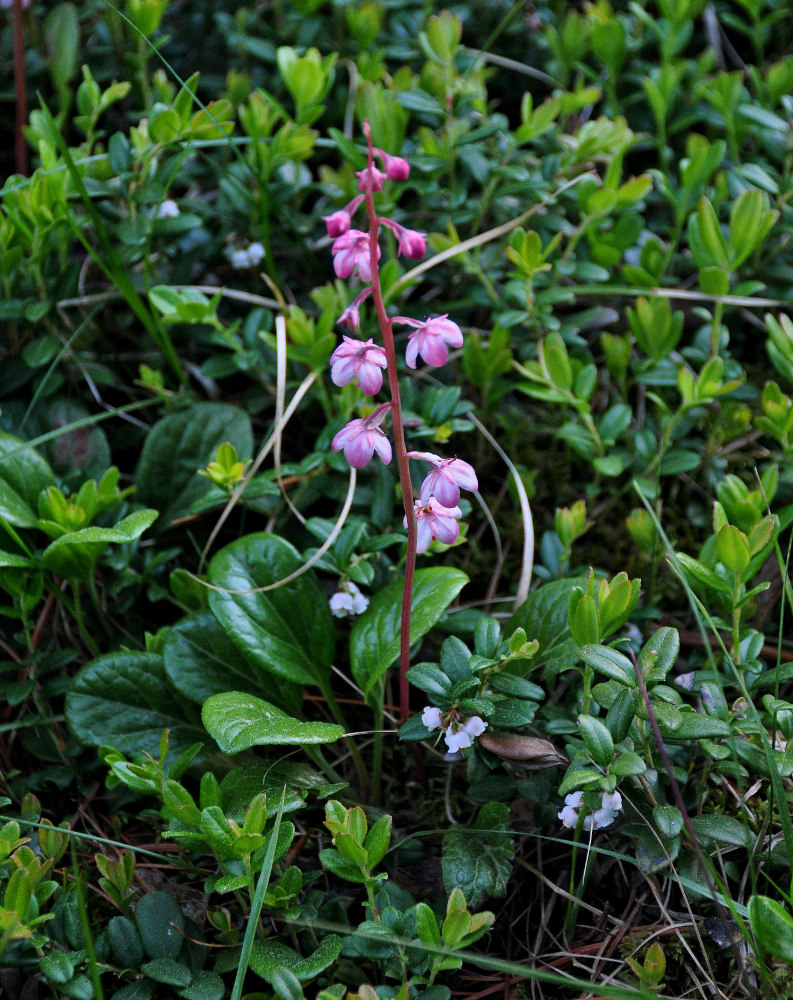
<point x="20" y="148"/>
<point x="400" y="449"/>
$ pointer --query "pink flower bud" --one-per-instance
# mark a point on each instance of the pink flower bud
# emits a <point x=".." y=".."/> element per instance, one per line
<point x="352" y="314"/>
<point x="370" y="179"/>
<point x="412" y="244"/>
<point x="397" y="169"/>
<point x="337" y="223"/>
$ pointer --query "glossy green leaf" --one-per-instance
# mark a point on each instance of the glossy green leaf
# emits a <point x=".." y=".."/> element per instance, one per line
<point x="23" y="475"/>
<point x="288" y="631"/>
<point x="597" y="739"/>
<point x="375" y="640"/>
<point x="125" y="942"/>
<point x="723" y="830"/>
<point x="178" y="446"/>
<point x="239" y="721"/>
<point x="733" y="549"/>
<point x="696" y="570"/>
<point x="477" y="859"/>
<point x="167" y="971"/>
<point x="543" y="615"/>
<point x="659" y="654"/>
<point x="124" y="700"/>
<point x="160" y="924"/>
<point x="772" y="925"/>
<point x="610" y="662"/>
<point x="585" y="620"/>
<point x="75" y="554"/>
<point x="200" y="660"/>
<point x="269" y="956"/>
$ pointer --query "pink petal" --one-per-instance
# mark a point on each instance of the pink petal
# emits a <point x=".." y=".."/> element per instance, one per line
<point x="370" y="379"/>
<point x="434" y="351"/>
<point x="383" y="448"/>
<point x="411" y="352"/>
<point x="358" y="451"/>
<point x="343" y="371"/>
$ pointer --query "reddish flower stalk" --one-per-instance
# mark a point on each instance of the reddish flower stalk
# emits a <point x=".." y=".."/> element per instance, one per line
<point x="400" y="449"/>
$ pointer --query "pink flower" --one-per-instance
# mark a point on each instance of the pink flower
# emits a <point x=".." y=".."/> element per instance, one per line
<point x="569" y="815"/>
<point x="361" y="438"/>
<point x="361" y="360"/>
<point x="448" y="478"/>
<point x="430" y="339"/>
<point x="351" y="255"/>
<point x="337" y="223"/>
<point x="431" y="717"/>
<point x="370" y="179"/>
<point x="465" y="735"/>
<point x="396" y="169"/>
<point x="352" y="314"/>
<point x="411" y="242"/>
<point x="434" y="521"/>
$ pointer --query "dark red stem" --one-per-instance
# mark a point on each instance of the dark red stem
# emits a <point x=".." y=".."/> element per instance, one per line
<point x="400" y="449"/>
<point x="20" y="148"/>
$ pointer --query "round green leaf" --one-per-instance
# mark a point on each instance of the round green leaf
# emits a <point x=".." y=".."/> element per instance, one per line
<point x="180" y="444"/>
<point x="200" y="660"/>
<point x="160" y="923"/>
<point x="597" y="739"/>
<point x="288" y="631"/>
<point x="238" y="721"/>
<point x="772" y="925"/>
<point x="123" y="700"/>
<point x="267" y="957"/>
<point x="375" y="639"/>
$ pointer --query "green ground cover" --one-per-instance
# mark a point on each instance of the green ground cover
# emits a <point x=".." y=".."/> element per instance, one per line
<point x="395" y="493"/>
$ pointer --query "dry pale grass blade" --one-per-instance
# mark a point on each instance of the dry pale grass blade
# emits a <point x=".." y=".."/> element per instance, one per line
<point x="302" y="389"/>
<point x="513" y="65"/>
<point x="340" y="521"/>
<point x="527" y="562"/>
<point x="233" y="293"/>
<point x="280" y="396"/>
<point x="477" y="241"/>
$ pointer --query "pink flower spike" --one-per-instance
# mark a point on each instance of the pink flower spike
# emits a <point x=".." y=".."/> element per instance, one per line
<point x="351" y="255"/>
<point x="448" y="478"/>
<point x="352" y="314"/>
<point x="358" y="360"/>
<point x="434" y="521"/>
<point x="361" y="438"/>
<point x="431" y="339"/>
<point x="370" y="179"/>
